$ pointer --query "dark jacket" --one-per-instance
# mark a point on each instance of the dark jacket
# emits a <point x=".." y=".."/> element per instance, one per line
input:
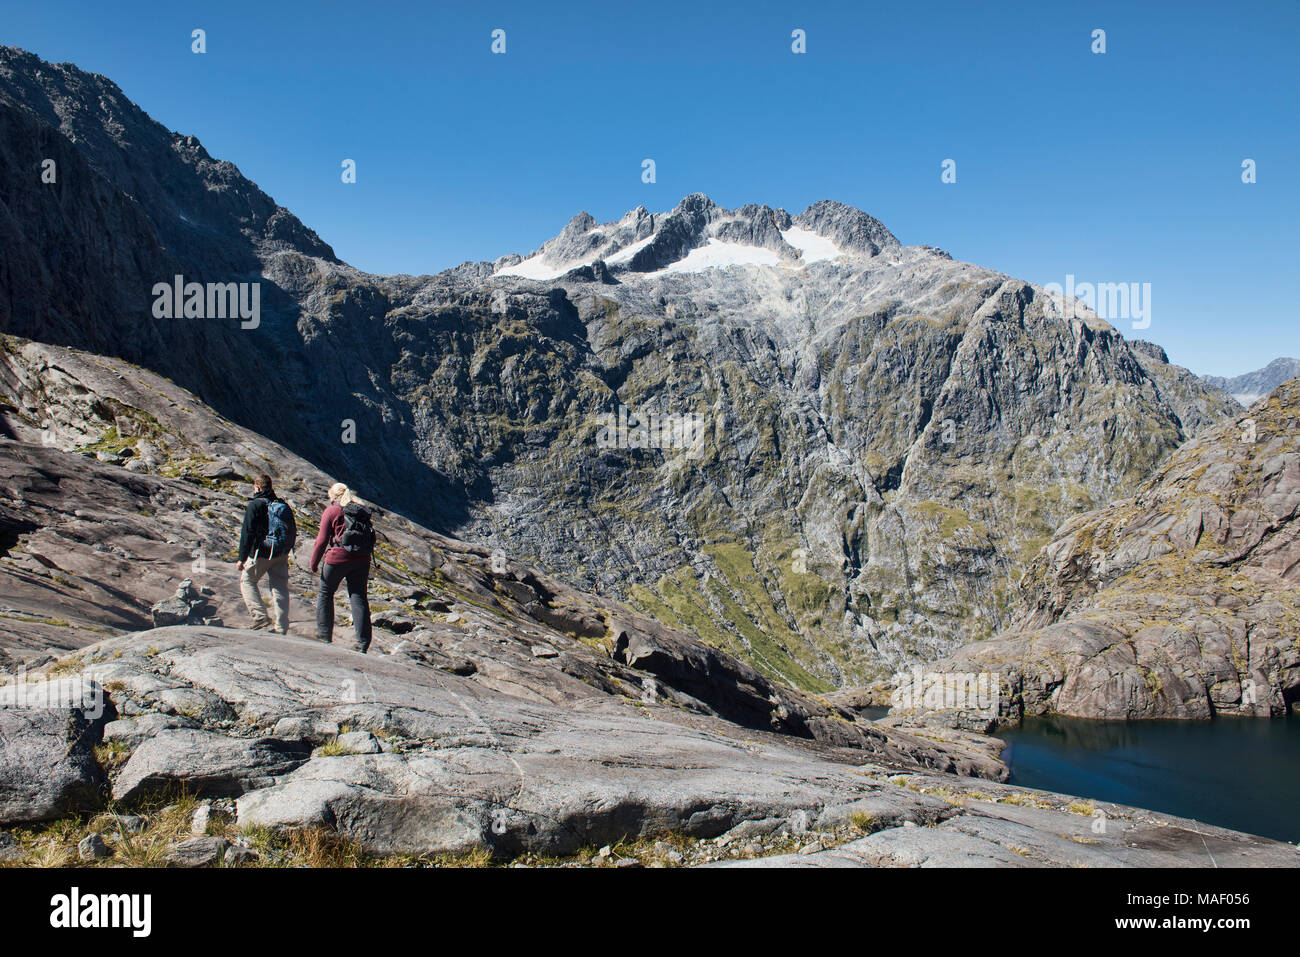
<point x="256" y="524"/>
<point x="331" y="530"/>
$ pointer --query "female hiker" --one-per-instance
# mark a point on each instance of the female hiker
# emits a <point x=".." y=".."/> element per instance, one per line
<point x="345" y="542"/>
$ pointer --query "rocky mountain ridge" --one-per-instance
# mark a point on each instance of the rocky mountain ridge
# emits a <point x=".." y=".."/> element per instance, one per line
<point x="1180" y="602"/>
<point x="697" y="234"/>
<point x="878" y="492"/>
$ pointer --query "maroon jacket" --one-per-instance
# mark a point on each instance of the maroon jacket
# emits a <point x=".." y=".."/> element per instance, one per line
<point x="331" y="529"/>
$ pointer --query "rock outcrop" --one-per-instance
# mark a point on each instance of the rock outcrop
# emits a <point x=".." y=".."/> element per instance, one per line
<point x="1004" y="826"/>
<point x="1180" y="602"/>
<point x="187" y="607"/>
<point x="48" y="731"/>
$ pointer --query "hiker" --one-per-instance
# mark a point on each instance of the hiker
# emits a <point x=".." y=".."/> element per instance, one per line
<point x="265" y="543"/>
<point x="345" y="542"/>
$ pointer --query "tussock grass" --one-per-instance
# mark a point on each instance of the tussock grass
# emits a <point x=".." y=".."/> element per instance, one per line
<point x="168" y="820"/>
<point x="862" y="821"/>
<point x="112" y="754"/>
<point x="331" y="749"/>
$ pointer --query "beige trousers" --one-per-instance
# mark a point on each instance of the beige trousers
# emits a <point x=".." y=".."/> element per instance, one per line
<point x="276" y="571"/>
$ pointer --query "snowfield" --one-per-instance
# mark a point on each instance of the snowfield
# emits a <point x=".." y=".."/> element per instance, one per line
<point x="717" y="254"/>
<point x="537" y="268"/>
<point x="815" y="248"/>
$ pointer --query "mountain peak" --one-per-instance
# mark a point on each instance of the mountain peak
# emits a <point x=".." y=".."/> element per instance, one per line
<point x="848" y="226"/>
<point x="698" y="234"/>
<point x="581" y="223"/>
<point x="695" y="202"/>
<point x="204" y="212"/>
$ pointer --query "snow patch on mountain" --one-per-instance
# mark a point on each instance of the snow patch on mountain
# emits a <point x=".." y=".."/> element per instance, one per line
<point x="625" y="254"/>
<point x="815" y="248"/>
<point x="535" y="267"/>
<point x="718" y="255"/>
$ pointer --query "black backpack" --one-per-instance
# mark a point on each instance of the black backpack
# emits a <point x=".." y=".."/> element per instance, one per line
<point x="358" y="534"/>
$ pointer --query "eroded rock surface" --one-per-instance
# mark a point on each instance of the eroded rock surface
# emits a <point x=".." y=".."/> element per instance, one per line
<point x="1180" y="602"/>
<point x="47" y="763"/>
<point x="428" y="761"/>
<point x="458" y="766"/>
<point x="1000" y="826"/>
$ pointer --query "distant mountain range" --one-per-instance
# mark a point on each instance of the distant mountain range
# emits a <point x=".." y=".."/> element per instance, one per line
<point x="1253" y="386"/>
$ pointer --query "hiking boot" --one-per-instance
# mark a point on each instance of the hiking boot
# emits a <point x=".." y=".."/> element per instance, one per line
<point x="361" y="649"/>
<point x="323" y="640"/>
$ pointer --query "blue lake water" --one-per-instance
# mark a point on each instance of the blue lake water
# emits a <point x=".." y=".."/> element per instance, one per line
<point x="1241" y="773"/>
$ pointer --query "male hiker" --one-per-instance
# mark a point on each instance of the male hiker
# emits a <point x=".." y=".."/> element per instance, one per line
<point x="265" y="541"/>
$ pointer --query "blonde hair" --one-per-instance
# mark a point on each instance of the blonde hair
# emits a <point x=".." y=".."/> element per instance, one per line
<point x="342" y="494"/>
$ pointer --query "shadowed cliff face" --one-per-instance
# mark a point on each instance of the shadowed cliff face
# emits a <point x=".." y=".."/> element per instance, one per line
<point x="880" y="437"/>
<point x="1180" y="602"/>
<point x="132" y="205"/>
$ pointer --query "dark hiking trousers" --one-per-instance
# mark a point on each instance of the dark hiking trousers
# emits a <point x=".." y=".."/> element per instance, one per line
<point x="356" y="575"/>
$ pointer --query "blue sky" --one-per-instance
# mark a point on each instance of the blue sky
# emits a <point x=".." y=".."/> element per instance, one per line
<point x="1119" y="167"/>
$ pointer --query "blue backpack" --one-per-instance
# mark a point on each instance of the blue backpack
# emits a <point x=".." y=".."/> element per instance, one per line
<point x="281" y="530"/>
